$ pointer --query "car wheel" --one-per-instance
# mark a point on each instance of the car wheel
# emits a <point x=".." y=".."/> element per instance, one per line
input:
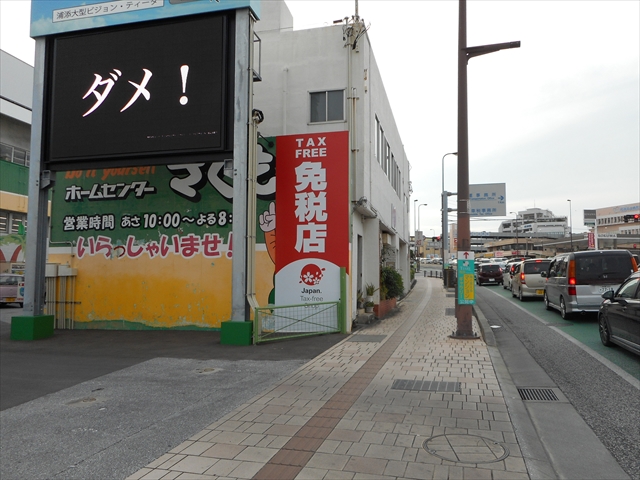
<point x="563" y="310"/>
<point x="605" y="334"/>
<point x="520" y="297"/>
<point x="546" y="302"/>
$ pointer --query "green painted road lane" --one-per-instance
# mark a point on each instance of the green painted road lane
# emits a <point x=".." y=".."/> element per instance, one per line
<point x="584" y="328"/>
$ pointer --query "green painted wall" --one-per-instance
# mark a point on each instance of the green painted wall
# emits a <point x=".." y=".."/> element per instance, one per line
<point x="14" y="178"/>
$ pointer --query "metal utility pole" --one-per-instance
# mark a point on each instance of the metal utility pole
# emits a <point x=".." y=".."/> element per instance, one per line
<point x="463" y="311"/>
<point x="515" y="224"/>
<point x="570" y="225"/>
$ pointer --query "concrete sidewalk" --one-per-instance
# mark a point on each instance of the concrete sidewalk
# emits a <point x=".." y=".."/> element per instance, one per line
<point x="399" y="399"/>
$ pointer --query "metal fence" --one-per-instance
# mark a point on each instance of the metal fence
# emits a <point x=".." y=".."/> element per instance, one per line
<point x="290" y="321"/>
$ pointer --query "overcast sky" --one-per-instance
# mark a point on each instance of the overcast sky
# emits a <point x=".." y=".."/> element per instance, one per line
<point x="556" y="119"/>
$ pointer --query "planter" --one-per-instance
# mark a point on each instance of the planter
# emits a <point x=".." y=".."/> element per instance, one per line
<point x="384" y="307"/>
<point x="368" y="309"/>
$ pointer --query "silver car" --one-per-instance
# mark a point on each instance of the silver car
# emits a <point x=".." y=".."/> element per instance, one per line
<point x="576" y="281"/>
<point x="527" y="280"/>
<point x="508" y="271"/>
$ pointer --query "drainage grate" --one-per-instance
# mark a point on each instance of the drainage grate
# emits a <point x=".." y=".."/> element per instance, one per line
<point x="559" y="324"/>
<point x="450" y="312"/>
<point x="367" y="338"/>
<point x="425" y="386"/>
<point x="538" y="394"/>
<point x="451" y="295"/>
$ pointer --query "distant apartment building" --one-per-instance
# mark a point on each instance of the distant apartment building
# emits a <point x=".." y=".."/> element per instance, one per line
<point x="536" y="221"/>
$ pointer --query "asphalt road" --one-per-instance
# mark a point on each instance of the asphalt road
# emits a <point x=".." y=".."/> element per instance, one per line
<point x="583" y="328"/>
<point x="608" y="403"/>
<point x="103" y="404"/>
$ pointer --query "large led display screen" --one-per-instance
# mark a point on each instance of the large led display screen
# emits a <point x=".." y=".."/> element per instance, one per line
<point x="154" y="91"/>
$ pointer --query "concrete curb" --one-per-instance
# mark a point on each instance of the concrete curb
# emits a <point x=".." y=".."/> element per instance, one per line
<point x="538" y="463"/>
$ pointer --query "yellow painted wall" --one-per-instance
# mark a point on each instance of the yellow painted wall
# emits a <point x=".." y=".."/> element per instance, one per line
<point x="158" y="293"/>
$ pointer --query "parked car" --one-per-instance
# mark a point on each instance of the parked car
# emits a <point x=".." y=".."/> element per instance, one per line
<point x="489" y="273"/>
<point x="10" y="288"/>
<point x="577" y="280"/>
<point x="619" y="315"/>
<point x="528" y="282"/>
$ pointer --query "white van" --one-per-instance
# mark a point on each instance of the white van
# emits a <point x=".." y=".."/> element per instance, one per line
<point x="11" y="288"/>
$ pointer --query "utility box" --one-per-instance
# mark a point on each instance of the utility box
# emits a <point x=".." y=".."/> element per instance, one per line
<point x="450" y="278"/>
<point x="32" y="328"/>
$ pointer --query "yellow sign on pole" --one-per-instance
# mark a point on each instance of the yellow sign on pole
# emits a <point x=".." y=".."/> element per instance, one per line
<point x="466" y="278"/>
<point x="469" y="287"/>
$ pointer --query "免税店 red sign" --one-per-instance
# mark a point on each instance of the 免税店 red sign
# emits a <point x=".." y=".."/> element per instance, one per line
<point x="312" y="212"/>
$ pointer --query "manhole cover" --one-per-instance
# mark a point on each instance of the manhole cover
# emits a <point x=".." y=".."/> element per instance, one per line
<point x="450" y="312"/>
<point x="461" y="448"/>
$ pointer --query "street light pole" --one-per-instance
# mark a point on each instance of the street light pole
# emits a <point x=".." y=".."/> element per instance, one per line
<point x="415" y="236"/>
<point x="515" y="222"/>
<point x="444" y="237"/>
<point x="570" y="225"/>
<point x="421" y="205"/>
<point x="421" y="236"/>
<point x="463" y="310"/>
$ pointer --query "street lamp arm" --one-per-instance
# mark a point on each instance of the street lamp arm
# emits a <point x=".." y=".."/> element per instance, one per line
<point x="484" y="49"/>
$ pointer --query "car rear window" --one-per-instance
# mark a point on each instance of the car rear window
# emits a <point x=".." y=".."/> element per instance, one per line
<point x="10" y="280"/>
<point x="537" y="266"/>
<point x="603" y="268"/>
<point x="490" y="268"/>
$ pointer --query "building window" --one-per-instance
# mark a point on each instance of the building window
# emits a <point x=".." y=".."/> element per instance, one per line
<point x="376" y="138"/>
<point x="14" y="154"/>
<point x="10" y="221"/>
<point x="327" y="106"/>
<point x="387" y="158"/>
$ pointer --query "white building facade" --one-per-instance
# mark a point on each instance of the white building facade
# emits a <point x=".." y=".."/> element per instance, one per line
<point x="324" y="80"/>
<point x="536" y="221"/>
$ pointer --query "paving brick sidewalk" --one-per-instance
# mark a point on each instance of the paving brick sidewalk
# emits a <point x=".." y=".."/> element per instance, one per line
<point x="338" y="417"/>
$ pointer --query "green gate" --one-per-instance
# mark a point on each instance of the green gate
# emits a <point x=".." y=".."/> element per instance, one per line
<point x="290" y="321"/>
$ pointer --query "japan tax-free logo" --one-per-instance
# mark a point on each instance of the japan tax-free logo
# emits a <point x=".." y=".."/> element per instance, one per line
<point x="311" y="274"/>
